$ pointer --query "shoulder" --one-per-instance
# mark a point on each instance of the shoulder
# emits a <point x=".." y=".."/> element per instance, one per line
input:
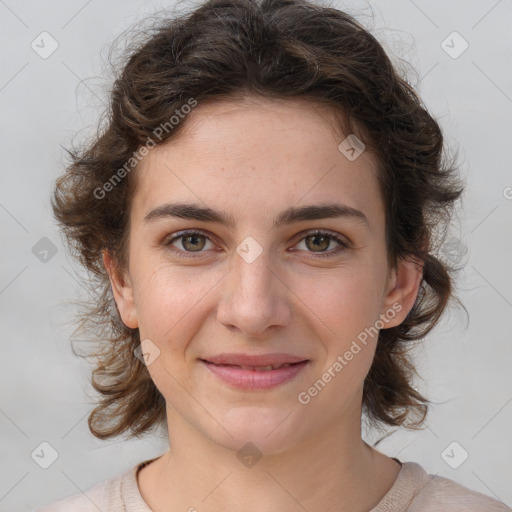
<point x="105" y="496"/>
<point x="433" y="493"/>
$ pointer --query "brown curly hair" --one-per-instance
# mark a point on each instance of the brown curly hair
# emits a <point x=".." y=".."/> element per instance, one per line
<point x="273" y="49"/>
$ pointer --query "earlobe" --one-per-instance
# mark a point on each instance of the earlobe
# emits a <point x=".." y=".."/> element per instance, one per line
<point x="122" y="290"/>
<point x="403" y="287"/>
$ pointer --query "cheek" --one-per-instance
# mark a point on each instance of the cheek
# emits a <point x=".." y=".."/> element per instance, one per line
<point x="169" y="298"/>
<point x="170" y="308"/>
<point x="346" y="307"/>
<point x="344" y="310"/>
<point x="344" y="301"/>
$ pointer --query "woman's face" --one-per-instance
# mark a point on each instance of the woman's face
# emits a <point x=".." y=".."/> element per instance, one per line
<point x="263" y="283"/>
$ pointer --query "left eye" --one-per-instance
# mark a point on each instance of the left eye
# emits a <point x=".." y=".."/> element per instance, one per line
<point x="194" y="242"/>
<point x="321" y="240"/>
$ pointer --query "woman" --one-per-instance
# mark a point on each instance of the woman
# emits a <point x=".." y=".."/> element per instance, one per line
<point x="259" y="215"/>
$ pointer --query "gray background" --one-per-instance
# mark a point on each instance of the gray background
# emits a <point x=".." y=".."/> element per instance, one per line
<point x="45" y="395"/>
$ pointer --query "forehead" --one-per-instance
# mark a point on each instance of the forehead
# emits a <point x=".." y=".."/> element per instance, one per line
<point x="251" y="153"/>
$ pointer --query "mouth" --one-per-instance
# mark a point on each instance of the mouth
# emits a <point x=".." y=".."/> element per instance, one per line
<point x="255" y="376"/>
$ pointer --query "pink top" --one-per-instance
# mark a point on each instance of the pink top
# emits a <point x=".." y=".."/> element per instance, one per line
<point x="413" y="491"/>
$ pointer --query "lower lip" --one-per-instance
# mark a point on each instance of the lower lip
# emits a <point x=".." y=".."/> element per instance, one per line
<point x="252" y="379"/>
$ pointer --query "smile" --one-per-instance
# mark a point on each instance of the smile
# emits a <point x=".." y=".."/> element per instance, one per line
<point x="255" y="377"/>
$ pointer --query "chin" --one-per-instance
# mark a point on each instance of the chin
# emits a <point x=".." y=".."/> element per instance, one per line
<point x="265" y="428"/>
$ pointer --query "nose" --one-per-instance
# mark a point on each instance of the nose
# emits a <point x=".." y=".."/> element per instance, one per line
<point x="254" y="297"/>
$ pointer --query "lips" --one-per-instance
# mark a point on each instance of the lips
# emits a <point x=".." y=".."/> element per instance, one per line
<point x="252" y="372"/>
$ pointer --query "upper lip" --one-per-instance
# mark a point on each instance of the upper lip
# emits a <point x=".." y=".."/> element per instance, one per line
<point x="254" y="360"/>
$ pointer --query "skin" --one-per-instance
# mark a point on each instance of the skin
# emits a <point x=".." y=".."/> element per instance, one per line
<point x="236" y="156"/>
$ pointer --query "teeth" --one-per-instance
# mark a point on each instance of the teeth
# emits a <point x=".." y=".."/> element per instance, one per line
<point x="260" y="368"/>
<point x="264" y="368"/>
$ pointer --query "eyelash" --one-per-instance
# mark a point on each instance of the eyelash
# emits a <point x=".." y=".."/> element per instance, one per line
<point x="317" y="232"/>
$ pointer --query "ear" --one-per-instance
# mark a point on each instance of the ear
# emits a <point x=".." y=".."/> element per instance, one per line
<point x="401" y="291"/>
<point x="122" y="290"/>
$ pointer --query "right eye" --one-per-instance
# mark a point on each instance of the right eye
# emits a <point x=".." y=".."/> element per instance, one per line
<point x="190" y="241"/>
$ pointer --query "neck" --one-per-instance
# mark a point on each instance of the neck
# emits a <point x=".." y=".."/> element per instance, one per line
<point x="332" y="471"/>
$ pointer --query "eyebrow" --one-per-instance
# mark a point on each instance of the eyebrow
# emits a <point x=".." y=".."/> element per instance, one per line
<point x="292" y="214"/>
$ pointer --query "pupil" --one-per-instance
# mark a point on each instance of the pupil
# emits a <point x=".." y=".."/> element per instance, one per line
<point x="322" y="239"/>
<point x="194" y="243"/>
